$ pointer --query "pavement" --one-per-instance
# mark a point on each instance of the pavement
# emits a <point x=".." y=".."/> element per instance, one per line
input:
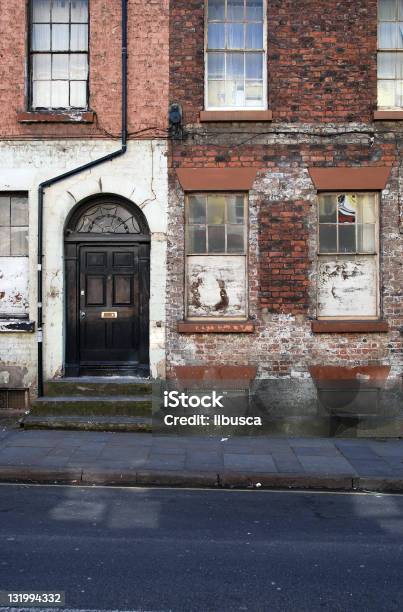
<point x="108" y="458"/>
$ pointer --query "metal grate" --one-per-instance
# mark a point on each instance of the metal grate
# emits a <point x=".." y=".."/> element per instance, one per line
<point x="13" y="399"/>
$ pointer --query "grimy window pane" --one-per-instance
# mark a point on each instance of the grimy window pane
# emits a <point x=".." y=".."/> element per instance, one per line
<point x="41" y="94"/>
<point x="235" y="10"/>
<point x="197" y="209"/>
<point x="235" y="93"/>
<point x="60" y="94"/>
<point x="387" y="9"/>
<point x="216" y="210"/>
<point x="235" y="239"/>
<point x="60" y="66"/>
<point x="78" y="94"/>
<point x="387" y="65"/>
<point x="253" y="93"/>
<point x="216" y="93"/>
<point x="78" y="66"/>
<point x="328" y="238"/>
<point x="347" y="239"/>
<point x="41" y="37"/>
<point x="328" y="209"/>
<point x="5" y="211"/>
<point x="41" y="66"/>
<point x="19" y="241"/>
<point x="41" y="11"/>
<point x="61" y="11"/>
<point x="216" y="238"/>
<point x="60" y="37"/>
<point x="366" y="238"/>
<point x="196" y="239"/>
<point x="79" y="38"/>
<point x="4" y="241"/>
<point x="79" y="11"/>
<point x="386" y="94"/>
<point x="235" y="209"/>
<point x="19" y="211"/>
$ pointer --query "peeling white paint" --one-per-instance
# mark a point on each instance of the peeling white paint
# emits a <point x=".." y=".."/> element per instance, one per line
<point x="14" y="281"/>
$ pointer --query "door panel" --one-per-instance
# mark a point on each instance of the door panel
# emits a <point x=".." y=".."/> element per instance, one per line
<point x="111" y="318"/>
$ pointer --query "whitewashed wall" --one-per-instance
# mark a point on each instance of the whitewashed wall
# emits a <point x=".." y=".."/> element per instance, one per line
<point x="140" y="175"/>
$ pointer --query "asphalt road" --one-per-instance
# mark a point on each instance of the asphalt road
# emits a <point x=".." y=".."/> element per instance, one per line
<point x="185" y="550"/>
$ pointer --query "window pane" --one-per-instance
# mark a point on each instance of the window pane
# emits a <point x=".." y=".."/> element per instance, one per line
<point x="254" y="36"/>
<point x="4" y="241"/>
<point x="328" y="209"/>
<point x="4" y="211"/>
<point x="216" y="209"/>
<point x="347" y="205"/>
<point x="399" y="65"/>
<point x="254" y="9"/>
<point x="235" y="209"/>
<point x="235" y="10"/>
<point x="387" y="65"/>
<point x="19" y="241"/>
<point x="197" y="209"/>
<point x="235" y="36"/>
<point x="216" y="239"/>
<point x="196" y="239"/>
<point x="78" y="66"/>
<point x="328" y="238"/>
<point x="61" y="11"/>
<point x="216" y="9"/>
<point x="347" y="238"/>
<point x="60" y="37"/>
<point x="399" y="93"/>
<point x="216" y="93"/>
<point x="216" y="65"/>
<point x="60" y="94"/>
<point x="400" y="9"/>
<point x="366" y="208"/>
<point x="79" y="38"/>
<point x="40" y="37"/>
<point x="60" y="66"/>
<point x="366" y="238"/>
<point x="78" y="94"/>
<point x="41" y="66"/>
<point x="19" y="211"/>
<point x="41" y="10"/>
<point x="399" y="35"/>
<point x="386" y="94"/>
<point x="254" y="93"/>
<point x="387" y="9"/>
<point x="387" y="36"/>
<point x="216" y="36"/>
<point x="235" y="239"/>
<point x="235" y="65"/>
<point x="235" y="93"/>
<point x="41" y="94"/>
<point x="254" y="65"/>
<point x="79" y="11"/>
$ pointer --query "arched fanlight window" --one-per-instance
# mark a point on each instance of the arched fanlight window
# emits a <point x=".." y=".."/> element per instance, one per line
<point x="106" y="218"/>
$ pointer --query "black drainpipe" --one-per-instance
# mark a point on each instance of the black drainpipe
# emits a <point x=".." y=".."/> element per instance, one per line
<point x="65" y="175"/>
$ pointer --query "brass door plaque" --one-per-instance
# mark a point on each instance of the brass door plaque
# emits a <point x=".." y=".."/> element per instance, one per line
<point x="109" y="315"/>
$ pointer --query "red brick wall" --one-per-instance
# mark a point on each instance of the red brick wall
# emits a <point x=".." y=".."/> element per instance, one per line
<point x="147" y="67"/>
<point x="321" y="59"/>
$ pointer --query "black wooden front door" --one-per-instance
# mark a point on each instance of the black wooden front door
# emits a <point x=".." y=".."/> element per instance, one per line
<point x="113" y="308"/>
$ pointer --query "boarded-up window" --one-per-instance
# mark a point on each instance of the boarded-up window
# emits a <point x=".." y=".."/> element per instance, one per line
<point x="348" y="256"/>
<point x="13" y="255"/>
<point x="216" y="256"/>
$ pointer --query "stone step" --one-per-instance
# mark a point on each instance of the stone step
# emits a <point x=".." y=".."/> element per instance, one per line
<point x="92" y="423"/>
<point x="118" y="405"/>
<point x="98" y="386"/>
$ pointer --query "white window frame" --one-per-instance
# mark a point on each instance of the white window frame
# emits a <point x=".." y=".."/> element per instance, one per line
<point x="345" y="256"/>
<point x="244" y="255"/>
<point x="387" y="50"/>
<point x="264" y="106"/>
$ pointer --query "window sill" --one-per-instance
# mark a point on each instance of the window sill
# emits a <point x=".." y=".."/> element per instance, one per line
<point x="385" y="115"/>
<point x="216" y="327"/>
<point x="242" y="115"/>
<point x="348" y="327"/>
<point x="16" y="326"/>
<point x="73" y="116"/>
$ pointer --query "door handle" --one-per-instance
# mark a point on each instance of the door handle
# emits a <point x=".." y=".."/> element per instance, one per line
<point x="82" y="314"/>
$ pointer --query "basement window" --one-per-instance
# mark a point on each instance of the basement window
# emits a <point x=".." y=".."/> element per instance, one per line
<point x="13" y="255"/>
<point x="348" y="266"/>
<point x="390" y="54"/>
<point x="216" y="226"/>
<point x="236" y="55"/>
<point x="59" y="54"/>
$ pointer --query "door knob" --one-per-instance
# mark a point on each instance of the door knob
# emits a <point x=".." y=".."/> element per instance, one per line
<point x="82" y="314"/>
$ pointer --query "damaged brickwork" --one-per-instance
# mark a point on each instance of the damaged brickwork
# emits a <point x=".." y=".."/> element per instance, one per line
<point x="322" y="117"/>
